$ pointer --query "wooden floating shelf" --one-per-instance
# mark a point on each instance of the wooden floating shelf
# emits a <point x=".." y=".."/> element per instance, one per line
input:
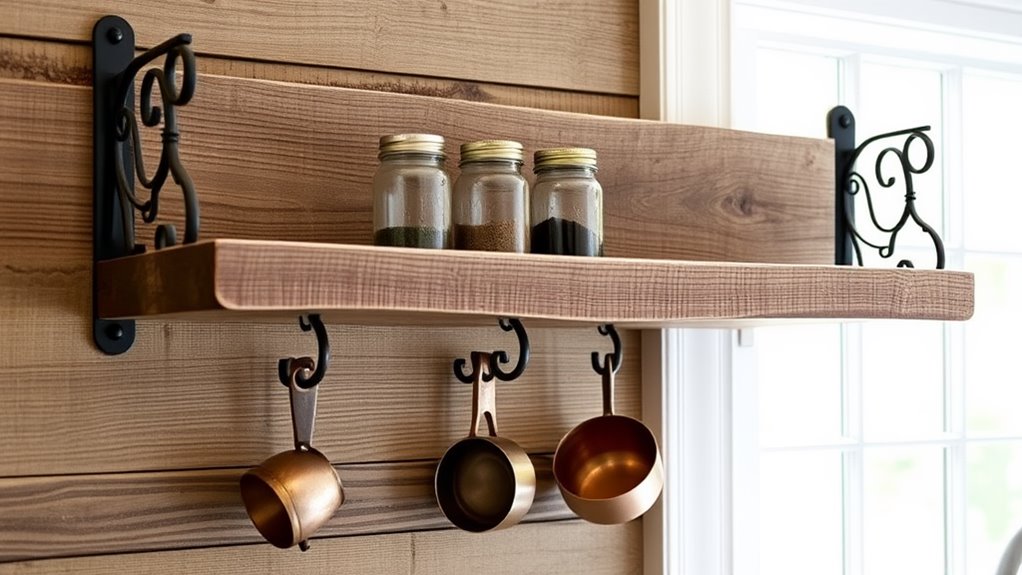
<point x="244" y="280"/>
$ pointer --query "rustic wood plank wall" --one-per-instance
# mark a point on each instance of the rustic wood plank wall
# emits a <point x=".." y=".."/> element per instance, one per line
<point x="130" y="463"/>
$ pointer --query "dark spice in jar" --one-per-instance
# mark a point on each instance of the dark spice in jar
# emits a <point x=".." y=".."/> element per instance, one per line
<point x="564" y="237"/>
<point x="500" y="236"/>
<point x="411" y="237"/>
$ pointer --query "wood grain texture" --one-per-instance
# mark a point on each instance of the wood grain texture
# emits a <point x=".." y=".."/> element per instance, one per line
<point x="575" y="45"/>
<point x="62" y="63"/>
<point x="294" y="162"/>
<point x="220" y="279"/>
<point x="72" y="515"/>
<point x="564" y="547"/>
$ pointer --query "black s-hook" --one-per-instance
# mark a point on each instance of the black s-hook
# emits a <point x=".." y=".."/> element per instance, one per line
<point x="611" y="360"/>
<point x="322" y="358"/>
<point x="499" y="357"/>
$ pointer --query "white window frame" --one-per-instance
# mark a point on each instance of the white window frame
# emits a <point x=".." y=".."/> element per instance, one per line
<point x="699" y="386"/>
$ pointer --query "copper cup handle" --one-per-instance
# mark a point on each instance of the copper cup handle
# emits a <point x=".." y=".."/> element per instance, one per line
<point x="608" y="388"/>
<point x="484" y="395"/>
<point x="303" y="404"/>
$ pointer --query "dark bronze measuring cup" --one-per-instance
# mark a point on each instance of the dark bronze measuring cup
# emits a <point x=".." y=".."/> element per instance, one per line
<point x="484" y="482"/>
<point x="608" y="468"/>
<point x="292" y="494"/>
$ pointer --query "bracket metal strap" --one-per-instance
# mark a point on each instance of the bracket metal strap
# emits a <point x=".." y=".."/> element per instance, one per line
<point x="117" y="152"/>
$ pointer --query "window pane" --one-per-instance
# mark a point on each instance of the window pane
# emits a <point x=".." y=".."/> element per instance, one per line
<point x="990" y="163"/>
<point x="894" y="98"/>
<point x="800" y="384"/>
<point x="995" y="502"/>
<point x="780" y="109"/>
<point x="903" y="517"/>
<point x="902" y="380"/>
<point x="993" y="384"/>
<point x="800" y="514"/>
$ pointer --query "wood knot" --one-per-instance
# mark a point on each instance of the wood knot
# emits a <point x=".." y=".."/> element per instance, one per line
<point x="742" y="203"/>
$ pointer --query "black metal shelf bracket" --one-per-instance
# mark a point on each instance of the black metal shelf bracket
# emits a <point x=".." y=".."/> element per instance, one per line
<point x="499" y="357"/>
<point x="849" y="183"/>
<point x="117" y="151"/>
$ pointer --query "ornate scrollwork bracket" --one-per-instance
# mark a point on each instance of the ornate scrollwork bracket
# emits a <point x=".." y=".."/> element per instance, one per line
<point x="851" y="183"/>
<point x="117" y="151"/>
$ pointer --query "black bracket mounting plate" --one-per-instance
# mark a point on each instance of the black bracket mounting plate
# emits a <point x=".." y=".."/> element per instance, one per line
<point x="117" y="152"/>
<point x="841" y="127"/>
<point x="113" y="48"/>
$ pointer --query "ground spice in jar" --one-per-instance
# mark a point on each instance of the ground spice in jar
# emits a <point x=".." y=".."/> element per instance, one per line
<point x="501" y="236"/>
<point x="410" y="237"/>
<point x="565" y="237"/>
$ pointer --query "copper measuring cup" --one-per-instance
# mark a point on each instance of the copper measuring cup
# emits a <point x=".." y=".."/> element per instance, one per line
<point x="608" y="468"/>
<point x="292" y="494"/>
<point x="484" y="482"/>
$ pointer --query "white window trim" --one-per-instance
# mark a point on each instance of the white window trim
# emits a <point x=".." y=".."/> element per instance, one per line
<point x="699" y="386"/>
<point x="685" y="77"/>
<point x="686" y="400"/>
<point x="684" y="70"/>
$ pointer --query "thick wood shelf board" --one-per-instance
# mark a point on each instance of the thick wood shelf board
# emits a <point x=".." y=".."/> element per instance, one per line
<point x="254" y="280"/>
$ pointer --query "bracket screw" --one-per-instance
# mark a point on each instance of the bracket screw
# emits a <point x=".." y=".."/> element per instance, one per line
<point x="114" y="331"/>
<point x="845" y="120"/>
<point x="115" y="35"/>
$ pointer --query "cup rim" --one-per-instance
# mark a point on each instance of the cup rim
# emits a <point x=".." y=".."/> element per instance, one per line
<point x="523" y="473"/>
<point x="650" y="471"/>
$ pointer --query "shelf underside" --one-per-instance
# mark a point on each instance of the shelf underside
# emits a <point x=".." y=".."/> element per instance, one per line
<point x="243" y="280"/>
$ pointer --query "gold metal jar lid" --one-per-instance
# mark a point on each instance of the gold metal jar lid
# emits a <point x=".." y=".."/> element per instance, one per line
<point x="564" y="158"/>
<point x="483" y="150"/>
<point x="412" y="143"/>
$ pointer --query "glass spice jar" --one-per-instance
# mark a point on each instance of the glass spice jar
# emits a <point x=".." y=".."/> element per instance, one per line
<point x="412" y="193"/>
<point x="567" y="203"/>
<point x="491" y="198"/>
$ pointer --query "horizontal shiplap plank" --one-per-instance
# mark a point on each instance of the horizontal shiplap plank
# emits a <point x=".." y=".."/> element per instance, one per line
<point x="293" y="162"/>
<point x="63" y="63"/>
<point x="220" y="280"/>
<point x="565" y="548"/>
<point x="575" y="45"/>
<point x="73" y="515"/>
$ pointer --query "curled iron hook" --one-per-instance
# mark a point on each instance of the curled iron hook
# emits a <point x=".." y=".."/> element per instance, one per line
<point x="614" y="359"/>
<point x="322" y="358"/>
<point x="499" y="356"/>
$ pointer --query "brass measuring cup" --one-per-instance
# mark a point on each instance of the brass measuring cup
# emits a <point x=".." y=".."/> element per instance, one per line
<point x="484" y="482"/>
<point x="608" y="468"/>
<point x="292" y="494"/>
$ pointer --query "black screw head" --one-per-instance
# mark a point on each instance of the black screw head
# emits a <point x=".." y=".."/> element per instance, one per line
<point x="845" y="120"/>
<point x="114" y="331"/>
<point x="115" y="35"/>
